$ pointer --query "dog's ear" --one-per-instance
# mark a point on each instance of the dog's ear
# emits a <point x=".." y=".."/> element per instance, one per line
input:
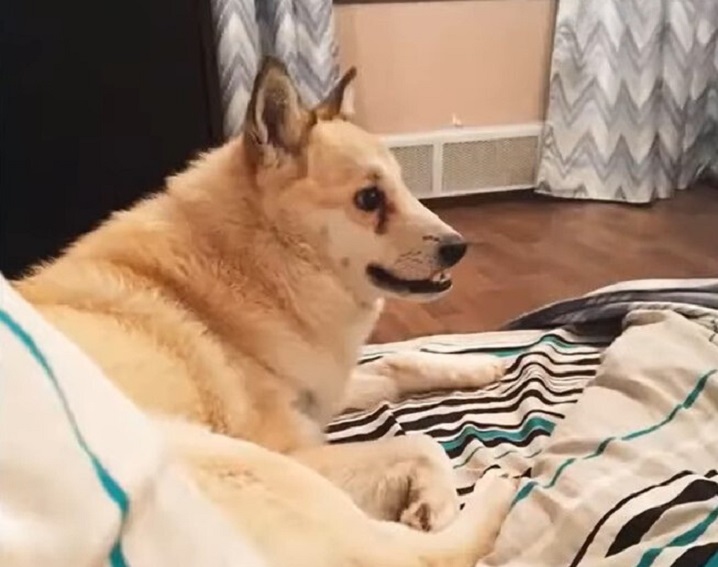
<point x="340" y="102"/>
<point x="277" y="123"/>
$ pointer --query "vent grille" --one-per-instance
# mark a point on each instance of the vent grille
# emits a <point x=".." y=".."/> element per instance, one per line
<point x="468" y="160"/>
<point x="485" y="164"/>
<point x="417" y="167"/>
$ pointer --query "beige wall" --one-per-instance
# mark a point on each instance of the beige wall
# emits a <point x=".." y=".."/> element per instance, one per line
<point x="485" y="61"/>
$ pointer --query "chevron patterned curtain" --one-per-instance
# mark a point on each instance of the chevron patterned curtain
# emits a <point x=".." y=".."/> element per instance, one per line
<point x="299" y="32"/>
<point x="633" y="101"/>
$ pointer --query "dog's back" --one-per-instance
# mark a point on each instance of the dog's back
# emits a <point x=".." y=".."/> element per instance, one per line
<point x="180" y="325"/>
<point x="105" y="295"/>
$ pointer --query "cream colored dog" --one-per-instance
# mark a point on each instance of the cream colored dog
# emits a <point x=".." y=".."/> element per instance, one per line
<point x="233" y="307"/>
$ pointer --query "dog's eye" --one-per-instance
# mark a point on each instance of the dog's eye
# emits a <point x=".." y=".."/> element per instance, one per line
<point x="369" y="199"/>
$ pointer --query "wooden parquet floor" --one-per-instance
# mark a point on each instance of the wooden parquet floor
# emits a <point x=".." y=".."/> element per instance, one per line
<point x="527" y="251"/>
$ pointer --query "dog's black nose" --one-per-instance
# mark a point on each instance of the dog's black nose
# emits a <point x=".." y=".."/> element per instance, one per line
<point x="451" y="250"/>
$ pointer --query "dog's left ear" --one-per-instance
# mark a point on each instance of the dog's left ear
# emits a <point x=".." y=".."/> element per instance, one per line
<point x="340" y="102"/>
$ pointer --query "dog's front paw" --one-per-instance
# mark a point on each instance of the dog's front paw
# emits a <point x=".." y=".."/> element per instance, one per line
<point x="429" y="510"/>
<point x="492" y="498"/>
<point x="466" y="371"/>
<point x="432" y="502"/>
<point x="493" y="368"/>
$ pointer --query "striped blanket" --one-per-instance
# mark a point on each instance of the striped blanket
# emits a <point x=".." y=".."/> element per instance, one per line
<point x="609" y="415"/>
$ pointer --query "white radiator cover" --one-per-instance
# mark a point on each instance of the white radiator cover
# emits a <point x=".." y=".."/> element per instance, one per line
<point x="464" y="161"/>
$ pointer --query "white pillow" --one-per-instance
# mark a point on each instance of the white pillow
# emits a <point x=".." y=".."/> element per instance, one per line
<point x="84" y="477"/>
<point x="629" y="477"/>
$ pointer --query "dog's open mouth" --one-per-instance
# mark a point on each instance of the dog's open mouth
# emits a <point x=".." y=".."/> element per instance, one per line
<point x="384" y="279"/>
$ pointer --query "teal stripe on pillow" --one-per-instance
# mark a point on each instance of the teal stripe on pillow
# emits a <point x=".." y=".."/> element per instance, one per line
<point x="111" y="487"/>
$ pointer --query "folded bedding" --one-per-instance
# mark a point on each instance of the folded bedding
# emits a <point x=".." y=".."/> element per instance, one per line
<point x="608" y="414"/>
<point x="83" y="474"/>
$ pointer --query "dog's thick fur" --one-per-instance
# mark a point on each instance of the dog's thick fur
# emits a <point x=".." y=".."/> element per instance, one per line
<point x="232" y="307"/>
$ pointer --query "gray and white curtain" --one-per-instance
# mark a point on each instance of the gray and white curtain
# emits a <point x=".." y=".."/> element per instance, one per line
<point x="633" y="101"/>
<point x="299" y="32"/>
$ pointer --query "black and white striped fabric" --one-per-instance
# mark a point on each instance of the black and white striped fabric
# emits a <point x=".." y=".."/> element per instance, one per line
<point x="608" y="416"/>
<point x="505" y="424"/>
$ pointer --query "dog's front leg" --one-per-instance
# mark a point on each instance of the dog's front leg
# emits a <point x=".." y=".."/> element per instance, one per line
<point x="398" y="375"/>
<point x="407" y="479"/>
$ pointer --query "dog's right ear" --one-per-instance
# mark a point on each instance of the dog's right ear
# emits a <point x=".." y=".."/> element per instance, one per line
<point x="277" y="123"/>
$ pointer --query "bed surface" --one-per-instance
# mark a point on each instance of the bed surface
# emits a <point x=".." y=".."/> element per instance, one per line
<point x="608" y="414"/>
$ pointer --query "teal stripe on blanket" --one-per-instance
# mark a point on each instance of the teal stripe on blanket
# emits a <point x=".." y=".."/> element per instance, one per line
<point x="490" y="434"/>
<point x="553" y="340"/>
<point x="685" y="404"/>
<point x="109" y="484"/>
<point x="686" y="538"/>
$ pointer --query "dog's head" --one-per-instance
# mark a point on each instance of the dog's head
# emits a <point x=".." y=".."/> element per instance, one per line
<point x="320" y="174"/>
